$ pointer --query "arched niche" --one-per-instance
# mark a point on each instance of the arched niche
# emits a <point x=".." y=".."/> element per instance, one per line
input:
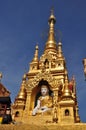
<point x="36" y="91"/>
<point x="34" y="87"/>
<point x="67" y="112"/>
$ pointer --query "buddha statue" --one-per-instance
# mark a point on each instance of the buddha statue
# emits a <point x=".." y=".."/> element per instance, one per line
<point x="44" y="102"/>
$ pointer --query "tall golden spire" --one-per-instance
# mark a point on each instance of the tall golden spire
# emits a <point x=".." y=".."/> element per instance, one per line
<point x="51" y="43"/>
<point x="35" y="59"/>
<point x="21" y="94"/>
<point x="66" y="92"/>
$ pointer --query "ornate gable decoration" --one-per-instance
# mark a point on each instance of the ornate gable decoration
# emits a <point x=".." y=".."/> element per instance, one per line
<point x="45" y="75"/>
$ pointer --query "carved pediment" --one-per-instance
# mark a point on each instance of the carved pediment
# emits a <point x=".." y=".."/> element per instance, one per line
<point x="3" y="91"/>
<point x="45" y="76"/>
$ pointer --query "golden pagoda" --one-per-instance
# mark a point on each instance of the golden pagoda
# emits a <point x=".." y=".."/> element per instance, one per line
<point x="49" y="70"/>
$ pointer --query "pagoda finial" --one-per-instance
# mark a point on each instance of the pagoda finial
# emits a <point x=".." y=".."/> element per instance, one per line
<point x="51" y="42"/>
<point x="52" y="10"/>
<point x="35" y="59"/>
<point x="52" y="17"/>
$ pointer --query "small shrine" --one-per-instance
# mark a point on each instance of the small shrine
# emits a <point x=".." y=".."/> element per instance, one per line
<point x="46" y="94"/>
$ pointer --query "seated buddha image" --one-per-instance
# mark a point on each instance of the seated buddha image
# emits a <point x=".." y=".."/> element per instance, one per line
<point x="44" y="102"/>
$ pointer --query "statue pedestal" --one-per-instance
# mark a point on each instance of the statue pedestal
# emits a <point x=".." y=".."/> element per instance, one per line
<point x="38" y="119"/>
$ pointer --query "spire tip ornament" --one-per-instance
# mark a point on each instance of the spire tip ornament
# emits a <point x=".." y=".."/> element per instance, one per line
<point x="52" y="17"/>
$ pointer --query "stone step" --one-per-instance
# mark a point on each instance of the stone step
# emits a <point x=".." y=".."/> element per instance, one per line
<point x="79" y="126"/>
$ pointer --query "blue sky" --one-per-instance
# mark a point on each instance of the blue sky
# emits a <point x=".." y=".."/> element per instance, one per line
<point x="24" y="23"/>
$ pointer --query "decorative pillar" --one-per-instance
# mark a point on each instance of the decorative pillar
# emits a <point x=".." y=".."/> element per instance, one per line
<point x="77" y="115"/>
<point x="55" y="101"/>
<point x="28" y="102"/>
<point x="55" y="105"/>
